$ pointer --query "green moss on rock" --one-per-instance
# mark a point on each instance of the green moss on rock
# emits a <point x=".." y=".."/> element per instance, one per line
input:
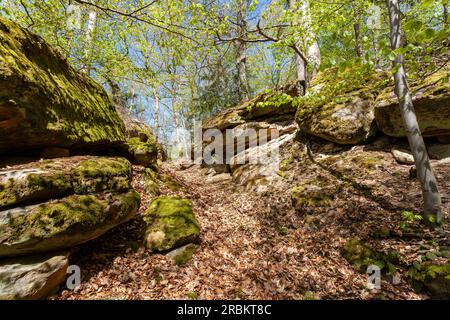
<point x="171" y="224"/>
<point x="100" y="174"/>
<point x="431" y="97"/>
<point x="40" y="181"/>
<point x="183" y="255"/>
<point x="141" y="153"/>
<point x="361" y="256"/>
<point x="435" y="278"/>
<point x="313" y="193"/>
<point x="63" y="223"/>
<point x="339" y="105"/>
<point x="45" y="102"/>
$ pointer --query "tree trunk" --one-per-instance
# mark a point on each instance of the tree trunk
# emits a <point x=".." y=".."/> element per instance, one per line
<point x="92" y="22"/>
<point x="156" y="97"/>
<point x="358" y="44"/>
<point x="310" y="43"/>
<point x="241" y="54"/>
<point x="431" y="197"/>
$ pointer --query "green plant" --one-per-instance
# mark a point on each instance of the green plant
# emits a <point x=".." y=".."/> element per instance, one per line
<point x="409" y="219"/>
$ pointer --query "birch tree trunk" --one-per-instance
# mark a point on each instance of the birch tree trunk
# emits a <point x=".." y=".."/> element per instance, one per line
<point x="241" y="52"/>
<point x="156" y="108"/>
<point x="431" y="197"/>
<point x="358" y="44"/>
<point x="92" y="22"/>
<point x="307" y="43"/>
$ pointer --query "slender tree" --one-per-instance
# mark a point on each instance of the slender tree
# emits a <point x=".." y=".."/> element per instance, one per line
<point x="431" y="197"/>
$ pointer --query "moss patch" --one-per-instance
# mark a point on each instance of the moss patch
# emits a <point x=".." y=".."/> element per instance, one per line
<point x="339" y="105"/>
<point x="183" y="255"/>
<point x="171" y="224"/>
<point x="313" y="193"/>
<point x="361" y="256"/>
<point x="435" y="278"/>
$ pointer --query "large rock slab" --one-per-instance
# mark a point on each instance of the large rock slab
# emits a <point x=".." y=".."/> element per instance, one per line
<point x="431" y="98"/>
<point x="171" y="224"/>
<point x="45" y="102"/>
<point x="63" y="223"/>
<point x="32" y="277"/>
<point x="49" y="179"/>
<point x="339" y="106"/>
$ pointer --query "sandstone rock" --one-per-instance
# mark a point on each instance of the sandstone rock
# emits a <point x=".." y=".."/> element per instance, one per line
<point x="431" y="100"/>
<point x="63" y="223"/>
<point x="44" y="180"/>
<point x="32" y="277"/>
<point x="339" y="106"/>
<point x="182" y="255"/>
<point x="46" y="103"/>
<point x="435" y="278"/>
<point x="439" y="151"/>
<point x="402" y="156"/>
<point x="171" y="224"/>
<point x="140" y="153"/>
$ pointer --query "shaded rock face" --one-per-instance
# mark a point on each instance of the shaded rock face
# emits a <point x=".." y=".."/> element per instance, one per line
<point x="56" y="204"/>
<point x="32" y="277"/>
<point x="63" y="223"/>
<point x="140" y="153"/>
<point x="434" y="278"/>
<point x="171" y="224"/>
<point x="44" y="102"/>
<point x="431" y="100"/>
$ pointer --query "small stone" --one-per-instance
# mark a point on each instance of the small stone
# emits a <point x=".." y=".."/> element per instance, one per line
<point x="402" y="156"/>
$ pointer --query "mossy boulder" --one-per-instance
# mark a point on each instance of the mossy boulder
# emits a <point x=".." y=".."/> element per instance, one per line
<point x="141" y="153"/>
<point x="63" y="223"/>
<point x="32" y="277"/>
<point x="431" y="98"/>
<point x="339" y="106"/>
<point x="171" y="224"/>
<point x="44" y="102"/>
<point x="183" y="255"/>
<point x="433" y="277"/>
<point x="43" y="180"/>
<point x="361" y="256"/>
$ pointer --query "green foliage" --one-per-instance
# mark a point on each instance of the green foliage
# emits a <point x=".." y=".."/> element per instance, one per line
<point x="410" y="220"/>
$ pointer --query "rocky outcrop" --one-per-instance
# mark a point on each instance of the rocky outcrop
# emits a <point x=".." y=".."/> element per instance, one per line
<point x="171" y="224"/>
<point x="435" y="278"/>
<point x="267" y="105"/>
<point x="140" y="153"/>
<point x="431" y="98"/>
<point x="49" y="179"/>
<point x="44" y="102"/>
<point x="63" y="223"/>
<point x="32" y="277"/>
<point x="339" y="106"/>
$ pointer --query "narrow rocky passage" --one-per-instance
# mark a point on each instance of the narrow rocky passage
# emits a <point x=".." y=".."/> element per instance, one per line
<point x="252" y="247"/>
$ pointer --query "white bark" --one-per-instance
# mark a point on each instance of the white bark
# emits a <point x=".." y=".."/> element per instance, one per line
<point x="156" y="109"/>
<point x="241" y="52"/>
<point x="432" y="200"/>
<point x="92" y="22"/>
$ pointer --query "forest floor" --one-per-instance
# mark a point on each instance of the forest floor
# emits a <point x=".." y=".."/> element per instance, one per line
<point x="255" y="245"/>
